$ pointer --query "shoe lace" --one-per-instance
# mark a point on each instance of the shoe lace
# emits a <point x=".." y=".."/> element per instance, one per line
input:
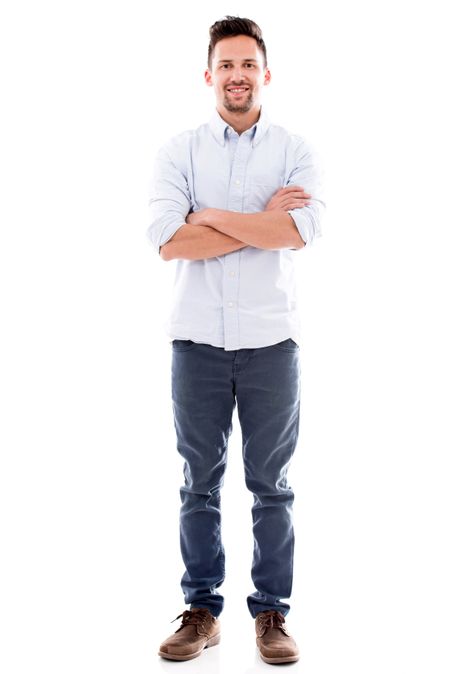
<point x="272" y="619"/>
<point x="193" y="617"/>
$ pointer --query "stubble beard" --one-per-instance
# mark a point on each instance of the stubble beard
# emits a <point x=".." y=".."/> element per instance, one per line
<point x="245" y="106"/>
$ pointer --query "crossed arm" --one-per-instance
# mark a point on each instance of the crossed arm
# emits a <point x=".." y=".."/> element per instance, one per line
<point x="211" y="232"/>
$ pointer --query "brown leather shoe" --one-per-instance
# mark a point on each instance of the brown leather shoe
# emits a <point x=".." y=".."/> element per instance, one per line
<point x="273" y="640"/>
<point x="199" y="629"/>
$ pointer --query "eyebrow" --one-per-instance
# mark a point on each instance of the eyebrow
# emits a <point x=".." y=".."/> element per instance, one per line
<point x="231" y="60"/>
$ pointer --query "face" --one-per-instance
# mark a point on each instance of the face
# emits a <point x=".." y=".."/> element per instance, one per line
<point x="237" y="74"/>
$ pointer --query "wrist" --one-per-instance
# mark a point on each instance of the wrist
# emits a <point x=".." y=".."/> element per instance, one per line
<point x="206" y="216"/>
<point x="216" y="218"/>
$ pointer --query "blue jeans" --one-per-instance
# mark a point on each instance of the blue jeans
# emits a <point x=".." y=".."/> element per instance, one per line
<point x="207" y="382"/>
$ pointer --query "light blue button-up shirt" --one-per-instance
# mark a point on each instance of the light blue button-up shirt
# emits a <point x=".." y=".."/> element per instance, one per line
<point x="246" y="298"/>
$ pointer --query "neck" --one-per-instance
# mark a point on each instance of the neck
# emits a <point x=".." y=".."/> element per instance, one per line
<point x="240" y="121"/>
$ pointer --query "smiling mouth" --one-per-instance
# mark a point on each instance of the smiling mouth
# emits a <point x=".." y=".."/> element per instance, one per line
<point x="237" y="91"/>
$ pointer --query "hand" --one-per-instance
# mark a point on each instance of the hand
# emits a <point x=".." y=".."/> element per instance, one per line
<point x="198" y="217"/>
<point x="288" y="198"/>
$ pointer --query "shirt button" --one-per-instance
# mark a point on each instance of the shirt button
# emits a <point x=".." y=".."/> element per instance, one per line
<point x="231" y="273"/>
<point x="230" y="304"/>
<point x="237" y="182"/>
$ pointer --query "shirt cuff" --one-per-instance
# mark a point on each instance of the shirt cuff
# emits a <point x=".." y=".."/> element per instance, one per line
<point x="305" y="225"/>
<point x="161" y="232"/>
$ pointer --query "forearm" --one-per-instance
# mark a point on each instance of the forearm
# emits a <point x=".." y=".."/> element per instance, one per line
<point x="198" y="242"/>
<point x="267" y="229"/>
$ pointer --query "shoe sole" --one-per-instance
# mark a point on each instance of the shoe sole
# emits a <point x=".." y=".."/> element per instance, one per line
<point x="173" y="656"/>
<point x="275" y="661"/>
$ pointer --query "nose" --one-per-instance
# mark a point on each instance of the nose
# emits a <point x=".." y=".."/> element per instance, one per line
<point x="237" y="75"/>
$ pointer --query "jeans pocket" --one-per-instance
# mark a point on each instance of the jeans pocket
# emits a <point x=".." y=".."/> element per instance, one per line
<point x="287" y="345"/>
<point x="182" y="344"/>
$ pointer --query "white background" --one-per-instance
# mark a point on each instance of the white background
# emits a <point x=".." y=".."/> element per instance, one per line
<point x="90" y="564"/>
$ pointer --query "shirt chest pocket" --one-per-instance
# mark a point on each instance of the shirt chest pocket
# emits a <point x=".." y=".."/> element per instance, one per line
<point x="259" y="193"/>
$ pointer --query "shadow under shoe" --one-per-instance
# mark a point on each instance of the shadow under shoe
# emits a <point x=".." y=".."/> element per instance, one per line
<point x="274" y="642"/>
<point x="199" y="629"/>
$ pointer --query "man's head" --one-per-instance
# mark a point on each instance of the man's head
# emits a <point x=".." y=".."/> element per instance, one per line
<point x="237" y="65"/>
<point x="232" y="26"/>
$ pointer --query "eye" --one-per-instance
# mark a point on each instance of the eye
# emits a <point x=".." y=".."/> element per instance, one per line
<point x="250" y="65"/>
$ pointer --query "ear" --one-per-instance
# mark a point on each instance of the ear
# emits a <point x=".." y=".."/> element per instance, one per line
<point x="208" y="78"/>
<point x="267" y="76"/>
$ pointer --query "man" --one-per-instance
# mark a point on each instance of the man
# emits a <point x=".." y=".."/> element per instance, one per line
<point x="229" y="203"/>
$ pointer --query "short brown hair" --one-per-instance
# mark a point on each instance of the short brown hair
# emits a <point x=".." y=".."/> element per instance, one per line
<point x="231" y="26"/>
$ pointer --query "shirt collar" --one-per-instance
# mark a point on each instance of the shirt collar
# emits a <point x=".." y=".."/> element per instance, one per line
<point x="219" y="127"/>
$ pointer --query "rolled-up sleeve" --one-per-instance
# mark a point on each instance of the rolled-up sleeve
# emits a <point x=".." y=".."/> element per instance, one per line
<point x="169" y="200"/>
<point x="308" y="174"/>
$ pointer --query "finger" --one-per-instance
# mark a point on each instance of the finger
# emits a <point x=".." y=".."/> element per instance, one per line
<point x="293" y="207"/>
<point x="293" y="202"/>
